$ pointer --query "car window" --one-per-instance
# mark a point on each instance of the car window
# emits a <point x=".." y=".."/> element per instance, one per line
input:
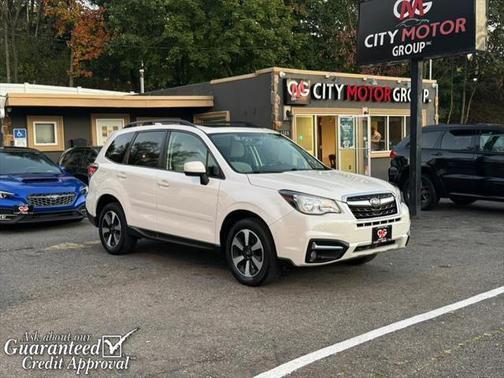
<point x="183" y="148"/>
<point x="118" y="147"/>
<point x="458" y="140"/>
<point x="146" y="149"/>
<point x="72" y="158"/>
<point x="90" y="157"/>
<point x="492" y="141"/>
<point x="264" y="153"/>
<point x="430" y="139"/>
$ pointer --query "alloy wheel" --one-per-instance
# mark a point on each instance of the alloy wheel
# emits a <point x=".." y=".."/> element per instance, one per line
<point x="111" y="229"/>
<point x="247" y="253"/>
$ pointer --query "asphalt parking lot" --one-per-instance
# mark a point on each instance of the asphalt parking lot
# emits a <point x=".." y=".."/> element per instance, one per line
<point x="194" y="319"/>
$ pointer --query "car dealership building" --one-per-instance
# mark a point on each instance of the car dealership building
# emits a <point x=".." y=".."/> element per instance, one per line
<point x="348" y="121"/>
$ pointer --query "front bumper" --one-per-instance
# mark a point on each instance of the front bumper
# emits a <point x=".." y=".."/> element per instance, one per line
<point x="7" y="216"/>
<point x="294" y="233"/>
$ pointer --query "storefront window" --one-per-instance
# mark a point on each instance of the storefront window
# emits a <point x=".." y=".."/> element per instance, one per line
<point x="395" y="131"/>
<point x="305" y="133"/>
<point x="378" y="133"/>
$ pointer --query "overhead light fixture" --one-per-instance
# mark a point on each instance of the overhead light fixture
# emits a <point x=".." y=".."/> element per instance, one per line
<point x="281" y="74"/>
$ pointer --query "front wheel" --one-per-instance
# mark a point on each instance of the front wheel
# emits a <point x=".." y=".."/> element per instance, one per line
<point x="250" y="253"/>
<point x="113" y="230"/>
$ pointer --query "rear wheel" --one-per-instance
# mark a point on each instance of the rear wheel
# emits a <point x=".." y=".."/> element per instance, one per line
<point x="462" y="200"/>
<point x="361" y="260"/>
<point x="113" y="230"/>
<point x="250" y="253"/>
<point x="429" y="197"/>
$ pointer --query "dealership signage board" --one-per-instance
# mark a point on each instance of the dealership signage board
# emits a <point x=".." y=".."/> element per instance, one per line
<point x="395" y="30"/>
<point x="302" y="92"/>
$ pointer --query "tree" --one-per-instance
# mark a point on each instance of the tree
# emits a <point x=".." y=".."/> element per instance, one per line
<point x="85" y="29"/>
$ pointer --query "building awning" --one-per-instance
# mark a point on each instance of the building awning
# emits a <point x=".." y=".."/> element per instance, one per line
<point x="107" y="101"/>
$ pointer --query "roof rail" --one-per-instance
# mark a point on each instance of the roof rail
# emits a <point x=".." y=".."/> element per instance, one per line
<point x="166" y="121"/>
<point x="230" y="124"/>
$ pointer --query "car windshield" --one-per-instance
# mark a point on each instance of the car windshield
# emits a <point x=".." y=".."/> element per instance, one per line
<point x="22" y="162"/>
<point x="264" y="153"/>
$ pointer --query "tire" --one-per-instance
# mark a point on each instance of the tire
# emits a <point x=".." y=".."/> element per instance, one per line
<point x="361" y="260"/>
<point x="429" y="195"/>
<point x="250" y="253"/>
<point x="113" y="230"/>
<point x="462" y="200"/>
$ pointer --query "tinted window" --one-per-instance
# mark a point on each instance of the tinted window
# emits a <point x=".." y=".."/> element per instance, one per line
<point x="72" y="158"/>
<point x="184" y="147"/>
<point x="492" y="142"/>
<point x="118" y="147"/>
<point x="18" y="162"/>
<point x="146" y="149"/>
<point x="430" y="139"/>
<point x="460" y="140"/>
<point x="90" y="157"/>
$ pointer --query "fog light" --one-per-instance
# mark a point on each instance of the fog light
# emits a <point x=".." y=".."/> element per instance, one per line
<point x="313" y="256"/>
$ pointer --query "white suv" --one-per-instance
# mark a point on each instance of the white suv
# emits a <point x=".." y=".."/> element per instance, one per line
<point x="252" y="192"/>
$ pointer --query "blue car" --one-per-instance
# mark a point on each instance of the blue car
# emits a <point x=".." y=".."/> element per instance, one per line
<point x="34" y="189"/>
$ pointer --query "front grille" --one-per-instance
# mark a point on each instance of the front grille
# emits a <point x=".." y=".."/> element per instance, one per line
<point x="51" y="200"/>
<point x="372" y="205"/>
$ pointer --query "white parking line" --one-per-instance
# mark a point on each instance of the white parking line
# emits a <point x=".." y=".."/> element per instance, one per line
<point x="309" y="358"/>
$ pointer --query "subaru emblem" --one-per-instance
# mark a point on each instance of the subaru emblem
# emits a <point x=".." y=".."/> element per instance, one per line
<point x="375" y="202"/>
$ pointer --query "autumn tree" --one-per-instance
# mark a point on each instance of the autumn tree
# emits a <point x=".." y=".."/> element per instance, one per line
<point x="84" y="29"/>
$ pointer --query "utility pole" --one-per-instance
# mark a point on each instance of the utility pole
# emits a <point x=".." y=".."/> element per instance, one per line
<point x="142" y="84"/>
<point x="415" y="186"/>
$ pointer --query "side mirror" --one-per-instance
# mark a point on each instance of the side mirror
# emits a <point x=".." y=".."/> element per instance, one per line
<point x="62" y="168"/>
<point x="196" y="168"/>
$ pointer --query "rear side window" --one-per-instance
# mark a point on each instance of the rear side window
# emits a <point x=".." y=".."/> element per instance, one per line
<point x="430" y="139"/>
<point x="119" y="147"/>
<point x="492" y="142"/>
<point x="146" y="149"/>
<point x="458" y="140"/>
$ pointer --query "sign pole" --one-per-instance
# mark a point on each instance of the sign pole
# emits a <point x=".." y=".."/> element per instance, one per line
<point x="416" y="137"/>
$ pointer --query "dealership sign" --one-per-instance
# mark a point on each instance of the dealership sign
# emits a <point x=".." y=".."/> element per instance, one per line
<point x="394" y="30"/>
<point x="302" y="92"/>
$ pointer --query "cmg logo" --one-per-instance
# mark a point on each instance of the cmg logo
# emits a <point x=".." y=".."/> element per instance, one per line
<point x="298" y="89"/>
<point x="405" y="9"/>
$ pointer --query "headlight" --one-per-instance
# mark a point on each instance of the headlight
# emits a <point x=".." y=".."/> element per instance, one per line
<point x="308" y="204"/>
<point x="84" y="190"/>
<point x="4" y="195"/>
<point x="398" y="194"/>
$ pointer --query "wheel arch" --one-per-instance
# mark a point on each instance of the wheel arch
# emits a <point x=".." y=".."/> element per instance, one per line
<point x="236" y="216"/>
<point x="103" y="201"/>
<point x="427" y="171"/>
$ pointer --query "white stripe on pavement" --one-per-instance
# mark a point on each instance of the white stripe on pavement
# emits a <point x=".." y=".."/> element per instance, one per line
<point x="309" y="358"/>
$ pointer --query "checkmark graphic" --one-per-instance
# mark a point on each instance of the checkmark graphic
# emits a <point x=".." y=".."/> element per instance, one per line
<point x="114" y="347"/>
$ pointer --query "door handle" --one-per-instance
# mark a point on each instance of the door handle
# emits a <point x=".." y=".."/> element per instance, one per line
<point x="437" y="154"/>
<point x="163" y="184"/>
<point x="122" y="175"/>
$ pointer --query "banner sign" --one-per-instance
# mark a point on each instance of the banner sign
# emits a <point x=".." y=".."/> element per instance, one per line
<point x="395" y="30"/>
<point x="302" y="92"/>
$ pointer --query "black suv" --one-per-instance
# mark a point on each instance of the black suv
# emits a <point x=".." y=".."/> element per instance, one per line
<point x="76" y="161"/>
<point x="464" y="163"/>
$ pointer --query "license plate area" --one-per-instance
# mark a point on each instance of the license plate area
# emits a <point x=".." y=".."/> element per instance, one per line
<point x="381" y="235"/>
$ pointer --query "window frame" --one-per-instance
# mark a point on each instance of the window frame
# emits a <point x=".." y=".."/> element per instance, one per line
<point x="164" y="155"/>
<point x="59" y="133"/>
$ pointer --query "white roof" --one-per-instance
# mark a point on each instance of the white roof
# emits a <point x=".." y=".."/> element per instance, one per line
<point x="6" y="88"/>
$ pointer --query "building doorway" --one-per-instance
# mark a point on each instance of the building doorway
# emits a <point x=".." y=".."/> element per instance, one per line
<point x="326" y="140"/>
<point x="353" y="144"/>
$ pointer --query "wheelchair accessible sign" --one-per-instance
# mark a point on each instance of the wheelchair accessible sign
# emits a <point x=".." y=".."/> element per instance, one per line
<point x="20" y="138"/>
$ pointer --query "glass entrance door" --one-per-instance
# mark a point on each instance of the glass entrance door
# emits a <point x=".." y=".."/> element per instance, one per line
<point x="353" y="144"/>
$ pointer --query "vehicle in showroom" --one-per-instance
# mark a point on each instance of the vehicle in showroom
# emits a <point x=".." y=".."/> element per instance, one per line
<point x="34" y="189"/>
<point x="462" y="162"/>
<point x="76" y="160"/>
<point x="249" y="191"/>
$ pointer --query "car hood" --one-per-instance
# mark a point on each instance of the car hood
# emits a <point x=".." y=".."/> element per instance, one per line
<point x="40" y="183"/>
<point x="331" y="183"/>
